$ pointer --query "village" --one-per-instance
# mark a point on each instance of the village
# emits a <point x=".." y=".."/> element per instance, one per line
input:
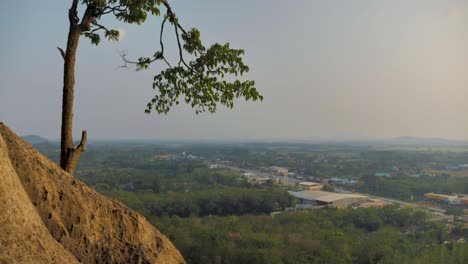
<point x="318" y="192"/>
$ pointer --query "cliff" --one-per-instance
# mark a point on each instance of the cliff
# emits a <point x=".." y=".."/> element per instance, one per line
<point x="48" y="216"/>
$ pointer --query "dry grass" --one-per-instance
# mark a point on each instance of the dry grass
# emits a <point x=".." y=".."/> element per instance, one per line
<point x="460" y="173"/>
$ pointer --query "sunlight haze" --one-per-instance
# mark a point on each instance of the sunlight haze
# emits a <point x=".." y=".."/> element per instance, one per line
<point x="328" y="69"/>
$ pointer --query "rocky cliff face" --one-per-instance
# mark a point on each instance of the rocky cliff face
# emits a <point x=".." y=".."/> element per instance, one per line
<point x="48" y="216"/>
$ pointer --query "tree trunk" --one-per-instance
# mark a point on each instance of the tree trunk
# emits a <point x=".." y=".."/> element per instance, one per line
<point x="68" y="154"/>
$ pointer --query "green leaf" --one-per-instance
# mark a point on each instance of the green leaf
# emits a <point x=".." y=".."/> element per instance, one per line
<point x="95" y="38"/>
<point x="112" y="35"/>
<point x="203" y="84"/>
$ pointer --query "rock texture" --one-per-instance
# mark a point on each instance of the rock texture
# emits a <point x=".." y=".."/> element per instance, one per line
<point x="48" y="216"/>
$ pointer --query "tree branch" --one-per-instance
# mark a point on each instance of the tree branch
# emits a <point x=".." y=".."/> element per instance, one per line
<point x="113" y="9"/>
<point x="177" y="26"/>
<point x="181" y="56"/>
<point x="123" y="54"/>
<point x="84" y="140"/>
<point x="99" y="27"/>
<point x="162" y="43"/>
<point x="73" y="13"/>
<point x="61" y="52"/>
<point x="87" y="19"/>
<point x="73" y="154"/>
<point x="173" y="19"/>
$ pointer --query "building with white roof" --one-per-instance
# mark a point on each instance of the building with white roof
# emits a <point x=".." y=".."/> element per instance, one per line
<point x="340" y="200"/>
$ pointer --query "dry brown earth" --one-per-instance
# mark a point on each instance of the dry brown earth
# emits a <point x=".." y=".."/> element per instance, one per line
<point x="48" y="216"/>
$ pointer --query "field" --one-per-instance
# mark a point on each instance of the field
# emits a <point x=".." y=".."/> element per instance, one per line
<point x="458" y="173"/>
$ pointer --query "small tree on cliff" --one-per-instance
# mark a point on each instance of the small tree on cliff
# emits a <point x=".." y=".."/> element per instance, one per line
<point x="199" y="82"/>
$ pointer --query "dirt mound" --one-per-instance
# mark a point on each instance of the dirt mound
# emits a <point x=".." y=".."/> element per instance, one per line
<point x="48" y="216"/>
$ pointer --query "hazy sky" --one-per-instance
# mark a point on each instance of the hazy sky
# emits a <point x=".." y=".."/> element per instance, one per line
<point x="327" y="69"/>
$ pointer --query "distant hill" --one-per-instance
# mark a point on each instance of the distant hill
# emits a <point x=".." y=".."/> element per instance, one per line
<point x="426" y="141"/>
<point x="34" y="139"/>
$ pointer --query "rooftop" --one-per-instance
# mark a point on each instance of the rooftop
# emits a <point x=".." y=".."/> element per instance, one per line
<point x="308" y="183"/>
<point x="326" y="197"/>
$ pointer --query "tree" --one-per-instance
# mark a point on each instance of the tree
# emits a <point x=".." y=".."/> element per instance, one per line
<point x="328" y="188"/>
<point x="200" y="82"/>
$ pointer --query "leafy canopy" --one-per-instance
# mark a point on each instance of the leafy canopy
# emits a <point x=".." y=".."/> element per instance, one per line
<point x="209" y="78"/>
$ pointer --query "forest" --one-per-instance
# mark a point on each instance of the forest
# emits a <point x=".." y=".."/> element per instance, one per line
<point x="214" y="215"/>
<point x="388" y="235"/>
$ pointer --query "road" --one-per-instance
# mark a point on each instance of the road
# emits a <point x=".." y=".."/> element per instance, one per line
<point x="435" y="211"/>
